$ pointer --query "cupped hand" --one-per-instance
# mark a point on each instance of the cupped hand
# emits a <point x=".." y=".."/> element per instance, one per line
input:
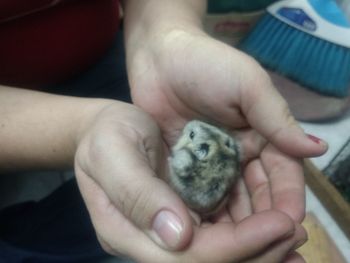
<point x="185" y="76"/>
<point x="120" y="164"/>
<point x="182" y="76"/>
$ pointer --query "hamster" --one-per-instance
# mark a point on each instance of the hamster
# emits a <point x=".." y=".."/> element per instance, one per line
<point x="204" y="165"/>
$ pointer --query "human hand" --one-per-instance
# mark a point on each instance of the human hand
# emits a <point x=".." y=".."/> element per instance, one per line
<point x="119" y="165"/>
<point x="180" y="76"/>
<point x="118" y="154"/>
<point x="192" y="76"/>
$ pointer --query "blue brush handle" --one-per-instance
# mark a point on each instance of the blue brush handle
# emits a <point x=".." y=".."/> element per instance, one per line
<point x="321" y="18"/>
<point x="330" y="11"/>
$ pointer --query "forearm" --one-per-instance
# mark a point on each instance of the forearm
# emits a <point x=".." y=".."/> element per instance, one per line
<point x="151" y="19"/>
<point x="40" y="130"/>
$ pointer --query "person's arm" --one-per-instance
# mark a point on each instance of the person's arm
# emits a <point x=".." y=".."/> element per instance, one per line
<point x="152" y="17"/>
<point x="40" y="130"/>
<point x="168" y="52"/>
<point x="178" y="73"/>
<point x="149" y="22"/>
<point x="118" y="157"/>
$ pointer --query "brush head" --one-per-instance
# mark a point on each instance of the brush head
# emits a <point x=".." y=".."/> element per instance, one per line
<point x="312" y="62"/>
<point x="321" y="18"/>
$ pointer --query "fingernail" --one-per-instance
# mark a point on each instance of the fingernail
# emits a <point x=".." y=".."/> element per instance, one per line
<point x="316" y="139"/>
<point x="168" y="227"/>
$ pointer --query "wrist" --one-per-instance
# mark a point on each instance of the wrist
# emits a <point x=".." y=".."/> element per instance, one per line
<point x="104" y="117"/>
<point x="88" y="117"/>
<point x="40" y="130"/>
<point x="148" y="24"/>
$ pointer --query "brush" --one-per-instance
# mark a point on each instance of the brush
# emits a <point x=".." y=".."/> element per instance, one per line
<point x="307" y="41"/>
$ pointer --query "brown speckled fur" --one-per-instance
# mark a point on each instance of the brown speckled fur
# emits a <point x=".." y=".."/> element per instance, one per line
<point x="203" y="166"/>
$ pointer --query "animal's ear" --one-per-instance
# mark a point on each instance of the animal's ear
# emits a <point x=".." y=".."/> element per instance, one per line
<point x="233" y="147"/>
<point x="230" y="144"/>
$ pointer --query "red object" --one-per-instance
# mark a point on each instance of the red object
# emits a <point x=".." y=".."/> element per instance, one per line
<point x="50" y="41"/>
<point x="314" y="138"/>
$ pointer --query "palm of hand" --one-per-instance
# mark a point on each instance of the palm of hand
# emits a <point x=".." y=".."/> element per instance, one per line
<point x="196" y="86"/>
<point x="204" y="79"/>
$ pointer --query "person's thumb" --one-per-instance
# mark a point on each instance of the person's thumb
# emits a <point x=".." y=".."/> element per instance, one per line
<point x="125" y="172"/>
<point x="268" y="113"/>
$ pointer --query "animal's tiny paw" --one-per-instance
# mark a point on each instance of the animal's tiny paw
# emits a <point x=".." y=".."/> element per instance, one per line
<point x="182" y="163"/>
<point x="204" y="165"/>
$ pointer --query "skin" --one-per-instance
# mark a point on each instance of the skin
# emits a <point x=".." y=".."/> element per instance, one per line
<point x="178" y="73"/>
<point x="119" y="150"/>
<point x="118" y="155"/>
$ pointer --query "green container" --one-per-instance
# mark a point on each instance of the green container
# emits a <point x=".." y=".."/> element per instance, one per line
<point x="225" y="6"/>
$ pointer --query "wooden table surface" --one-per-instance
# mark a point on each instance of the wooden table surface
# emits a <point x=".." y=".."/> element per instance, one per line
<point x="329" y="196"/>
<point x="319" y="248"/>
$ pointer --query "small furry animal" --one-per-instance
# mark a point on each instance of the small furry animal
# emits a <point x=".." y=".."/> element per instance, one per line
<point x="203" y="167"/>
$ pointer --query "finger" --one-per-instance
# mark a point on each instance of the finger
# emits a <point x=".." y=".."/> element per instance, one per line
<point x="294" y="257"/>
<point x="239" y="206"/>
<point x="117" y="235"/>
<point x="268" y="113"/>
<point x="282" y="249"/>
<point x="258" y="186"/>
<point x="249" y="237"/>
<point x="250" y="142"/>
<point x="287" y="182"/>
<point x="108" y="222"/>
<point x="122" y="168"/>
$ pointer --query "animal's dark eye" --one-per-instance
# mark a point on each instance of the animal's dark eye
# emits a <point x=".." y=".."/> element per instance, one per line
<point x="202" y="151"/>
<point x="228" y="144"/>
<point x="204" y="147"/>
<point x="191" y="135"/>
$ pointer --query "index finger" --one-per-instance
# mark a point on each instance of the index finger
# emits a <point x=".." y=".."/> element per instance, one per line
<point x="268" y="113"/>
<point x="286" y="178"/>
